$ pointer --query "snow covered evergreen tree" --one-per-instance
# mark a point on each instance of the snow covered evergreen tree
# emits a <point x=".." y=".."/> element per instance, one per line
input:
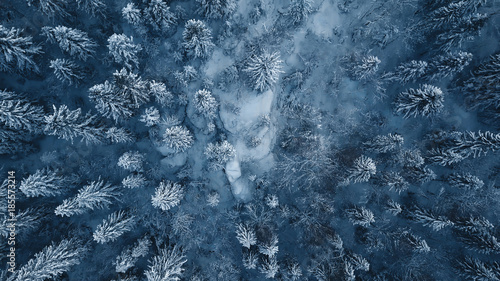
<point x="246" y="235"/>
<point x="197" y="39"/>
<point x="465" y="181"/>
<point x="131" y="87"/>
<point x="73" y="41"/>
<point x="269" y="247"/>
<point x="419" y="174"/>
<point x="360" y="216"/>
<point x="130" y="255"/>
<point x="269" y="267"/>
<point x="96" y="195"/>
<point x="159" y="91"/>
<point x="417" y="244"/>
<point x="466" y="30"/>
<point x="264" y="70"/>
<point x="362" y="170"/>
<point x="299" y="10"/>
<point x="43" y="182"/>
<point x="448" y="65"/>
<point x="132" y="14"/>
<point x="482" y="88"/>
<point x="134" y="181"/>
<point x="113" y="227"/>
<point x="475" y="269"/>
<point x="108" y="102"/>
<point x="219" y="154"/>
<point x="131" y="161"/>
<point x="216" y="9"/>
<point x="16" y="51"/>
<point x="123" y="50"/>
<point x="67" y="71"/>
<point x="428" y="218"/>
<point x="408" y="72"/>
<point x="205" y="103"/>
<point x="425" y="101"/>
<point x="151" y="116"/>
<point x="167" y="195"/>
<point x="394" y="181"/>
<point x="364" y="68"/>
<point x="70" y="124"/>
<point x="50" y="8"/>
<point x="159" y="15"/>
<point x="51" y="262"/>
<point x="166" y="266"/>
<point x="385" y="143"/>
<point x="179" y="138"/>
<point x="25" y="221"/>
<point x="118" y="135"/>
<point x="93" y="7"/>
<point x="19" y="114"/>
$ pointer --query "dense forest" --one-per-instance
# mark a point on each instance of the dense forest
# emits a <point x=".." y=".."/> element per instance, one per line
<point x="200" y="140"/>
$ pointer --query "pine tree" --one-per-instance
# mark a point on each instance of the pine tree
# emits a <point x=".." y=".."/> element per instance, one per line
<point x="394" y="181"/>
<point x="131" y="161"/>
<point x="16" y="51"/>
<point x="482" y="87"/>
<point x="95" y="195"/>
<point x="427" y="218"/>
<point x="424" y="101"/>
<point x="360" y="216"/>
<point x="385" y="143"/>
<point x="159" y="15"/>
<point x="73" y="41"/>
<point x="362" y="170"/>
<point x="269" y="267"/>
<point x="419" y="175"/>
<point x="365" y="68"/>
<point x="108" y="102"/>
<point x="134" y="181"/>
<point x="444" y="157"/>
<point x="270" y="247"/>
<point x="131" y="87"/>
<point x="408" y="72"/>
<point x="465" y="30"/>
<point x="448" y="65"/>
<point x="197" y="39"/>
<point x="264" y="70"/>
<point x="465" y="181"/>
<point x="93" y="7"/>
<point x="219" y="154"/>
<point x="167" y="265"/>
<point x="25" y="220"/>
<point x="299" y="10"/>
<point x="473" y="224"/>
<point x="418" y="244"/>
<point x="216" y="9"/>
<point x="159" y="91"/>
<point x="167" y="195"/>
<point x="51" y="262"/>
<point x="179" y="138"/>
<point x="43" y="182"/>
<point x="118" y="135"/>
<point x="70" y="124"/>
<point x="475" y="144"/>
<point x="475" y="269"/>
<point x="205" y="103"/>
<point x="393" y="207"/>
<point x="130" y="255"/>
<point x="481" y="241"/>
<point x="19" y="114"/>
<point x="67" y="71"/>
<point x="14" y="141"/>
<point x="246" y="235"/>
<point x="151" y="116"/>
<point x="123" y="50"/>
<point x="113" y="227"/>
<point x="50" y="8"/>
<point x="410" y="158"/>
<point x="132" y="14"/>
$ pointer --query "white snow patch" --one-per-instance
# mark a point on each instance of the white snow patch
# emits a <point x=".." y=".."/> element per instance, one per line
<point x="323" y="22"/>
<point x="217" y="63"/>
